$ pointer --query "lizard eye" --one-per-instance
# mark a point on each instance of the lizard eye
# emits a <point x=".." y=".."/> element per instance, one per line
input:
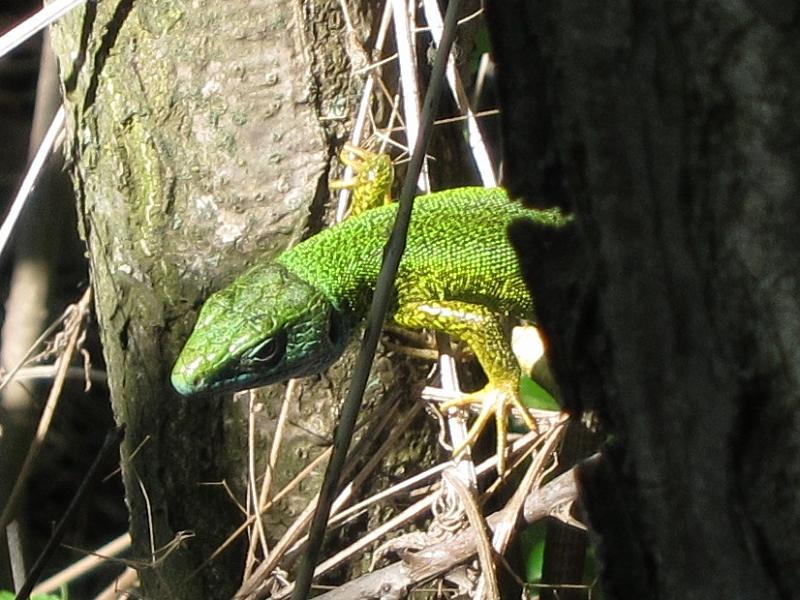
<point x="269" y="352"/>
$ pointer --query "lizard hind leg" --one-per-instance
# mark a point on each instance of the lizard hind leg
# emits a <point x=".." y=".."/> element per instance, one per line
<point x="481" y="329"/>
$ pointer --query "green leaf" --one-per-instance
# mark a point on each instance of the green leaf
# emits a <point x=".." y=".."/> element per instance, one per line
<point x="6" y="595"/>
<point x="531" y="541"/>
<point x="535" y="396"/>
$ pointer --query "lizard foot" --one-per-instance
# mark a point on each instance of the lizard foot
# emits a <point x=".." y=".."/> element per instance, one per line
<point x="373" y="178"/>
<point x="495" y="399"/>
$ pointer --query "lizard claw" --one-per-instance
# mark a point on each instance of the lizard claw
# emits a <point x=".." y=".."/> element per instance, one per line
<point x="495" y="399"/>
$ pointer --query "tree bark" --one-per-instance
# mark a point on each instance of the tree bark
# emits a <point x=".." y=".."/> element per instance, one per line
<point x="201" y="136"/>
<point x="670" y="304"/>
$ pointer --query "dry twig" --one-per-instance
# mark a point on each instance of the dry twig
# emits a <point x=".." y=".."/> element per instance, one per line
<point x="85" y="565"/>
<point x="394" y="581"/>
<point x="73" y="328"/>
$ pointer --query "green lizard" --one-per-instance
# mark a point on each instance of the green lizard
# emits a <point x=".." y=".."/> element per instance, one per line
<point x="293" y="316"/>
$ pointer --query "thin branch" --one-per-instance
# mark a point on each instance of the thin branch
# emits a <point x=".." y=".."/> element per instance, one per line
<point x="74" y="325"/>
<point x="85" y="565"/>
<point x="403" y="12"/>
<point x="407" y="59"/>
<point x="292" y="538"/>
<point x="110" y="443"/>
<point x="357" y="135"/>
<point x="29" y="355"/>
<point x="257" y="534"/>
<point x="395" y="580"/>
<point x="266" y="484"/>
<point x="483" y="544"/>
<point x="377" y="64"/>
<point x="116" y="591"/>
<point x="28" y="183"/>
<point x="506" y="525"/>
<point x="456" y="423"/>
<point x="50" y="371"/>
<point x="149" y="510"/>
<point x="35" y="23"/>
<point x="479" y="153"/>
<point x="16" y="556"/>
<point x="349" y="490"/>
<point x="342" y="516"/>
<point x="519" y="448"/>
<point x="283" y="492"/>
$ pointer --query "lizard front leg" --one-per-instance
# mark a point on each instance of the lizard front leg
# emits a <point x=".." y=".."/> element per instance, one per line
<point x="372" y="183"/>
<point x="481" y="329"/>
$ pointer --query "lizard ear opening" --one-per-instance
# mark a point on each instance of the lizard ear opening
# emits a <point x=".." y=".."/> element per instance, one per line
<point x="336" y="332"/>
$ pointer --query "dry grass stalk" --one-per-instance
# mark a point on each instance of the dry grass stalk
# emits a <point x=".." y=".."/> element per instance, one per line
<point x="73" y="330"/>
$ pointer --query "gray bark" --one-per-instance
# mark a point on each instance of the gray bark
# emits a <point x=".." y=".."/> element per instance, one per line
<point x="671" y="304"/>
<point x="200" y="135"/>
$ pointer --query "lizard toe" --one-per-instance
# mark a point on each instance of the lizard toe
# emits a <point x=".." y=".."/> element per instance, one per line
<point x="495" y="399"/>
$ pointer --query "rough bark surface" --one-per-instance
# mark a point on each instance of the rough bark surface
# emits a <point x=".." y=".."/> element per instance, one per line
<point x="671" y="304"/>
<point x="198" y="148"/>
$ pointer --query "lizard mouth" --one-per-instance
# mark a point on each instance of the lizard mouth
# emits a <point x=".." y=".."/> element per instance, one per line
<point x="189" y="384"/>
<point x="202" y="386"/>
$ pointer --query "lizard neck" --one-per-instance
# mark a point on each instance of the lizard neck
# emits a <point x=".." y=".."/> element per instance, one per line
<point x="344" y="261"/>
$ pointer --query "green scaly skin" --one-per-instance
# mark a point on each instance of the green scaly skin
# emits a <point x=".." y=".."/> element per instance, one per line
<point x="293" y="317"/>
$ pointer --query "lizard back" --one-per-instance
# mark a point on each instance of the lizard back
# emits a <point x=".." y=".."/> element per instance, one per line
<point x="457" y="249"/>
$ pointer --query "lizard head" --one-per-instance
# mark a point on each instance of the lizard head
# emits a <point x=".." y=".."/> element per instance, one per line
<point x="267" y="326"/>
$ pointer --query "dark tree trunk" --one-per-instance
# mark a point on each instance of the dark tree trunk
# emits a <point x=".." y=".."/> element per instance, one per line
<point x="671" y="303"/>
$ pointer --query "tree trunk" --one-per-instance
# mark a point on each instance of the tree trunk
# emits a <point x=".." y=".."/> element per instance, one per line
<point x="200" y="134"/>
<point x="671" y="303"/>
